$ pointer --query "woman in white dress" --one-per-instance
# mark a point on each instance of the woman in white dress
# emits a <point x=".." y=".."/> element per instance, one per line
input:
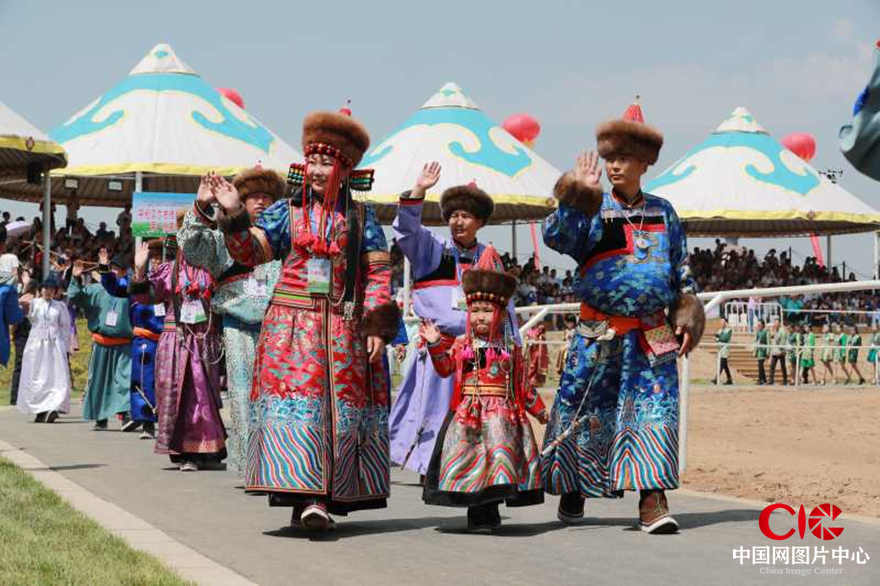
<point x="44" y="387"/>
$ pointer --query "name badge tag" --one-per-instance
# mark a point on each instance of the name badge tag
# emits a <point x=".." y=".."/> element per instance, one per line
<point x="319" y="275"/>
<point x="159" y="310"/>
<point x="111" y="318"/>
<point x="458" y="299"/>
<point x="192" y="312"/>
<point x="254" y="287"/>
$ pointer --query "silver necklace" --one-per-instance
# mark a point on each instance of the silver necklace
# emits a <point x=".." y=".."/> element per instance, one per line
<point x="641" y="242"/>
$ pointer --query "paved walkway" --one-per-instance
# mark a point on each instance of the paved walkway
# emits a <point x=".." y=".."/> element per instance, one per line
<point x="413" y="543"/>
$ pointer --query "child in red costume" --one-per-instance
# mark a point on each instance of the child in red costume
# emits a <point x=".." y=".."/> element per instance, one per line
<point x="485" y="452"/>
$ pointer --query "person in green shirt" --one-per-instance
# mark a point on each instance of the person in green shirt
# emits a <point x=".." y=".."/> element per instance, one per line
<point x="778" y="344"/>
<point x="873" y="355"/>
<point x="808" y="354"/>
<point x="854" y="345"/>
<point x="761" y="350"/>
<point x="840" y="353"/>
<point x="793" y="350"/>
<point x="723" y="336"/>
<point x="829" y="339"/>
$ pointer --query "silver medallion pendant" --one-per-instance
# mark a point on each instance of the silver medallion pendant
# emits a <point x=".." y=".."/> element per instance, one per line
<point x="642" y="243"/>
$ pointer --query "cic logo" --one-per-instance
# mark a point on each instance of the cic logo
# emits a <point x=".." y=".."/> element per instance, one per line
<point x="814" y="523"/>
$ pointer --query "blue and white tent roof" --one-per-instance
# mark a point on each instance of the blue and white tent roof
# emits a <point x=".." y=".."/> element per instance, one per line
<point x="451" y="128"/>
<point x="165" y="121"/>
<point x="742" y="182"/>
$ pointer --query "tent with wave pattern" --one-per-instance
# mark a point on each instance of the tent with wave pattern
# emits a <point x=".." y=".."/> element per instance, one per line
<point x="451" y="128"/>
<point x="164" y="123"/>
<point x="741" y="182"/>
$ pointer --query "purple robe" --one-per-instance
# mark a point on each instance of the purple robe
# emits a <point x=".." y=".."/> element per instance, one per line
<point x="187" y="378"/>
<point x="423" y="399"/>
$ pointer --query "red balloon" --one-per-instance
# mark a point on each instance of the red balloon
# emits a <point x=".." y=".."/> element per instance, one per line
<point x="800" y="143"/>
<point x="232" y="95"/>
<point x="523" y="127"/>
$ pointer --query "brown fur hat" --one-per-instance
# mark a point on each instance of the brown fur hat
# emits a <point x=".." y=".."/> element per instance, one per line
<point x="629" y="137"/>
<point x="259" y="180"/>
<point x="487" y="280"/>
<point x="343" y="134"/>
<point x="469" y="198"/>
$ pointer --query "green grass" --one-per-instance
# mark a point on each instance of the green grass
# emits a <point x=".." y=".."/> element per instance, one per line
<point x="80" y="361"/>
<point x="44" y="541"/>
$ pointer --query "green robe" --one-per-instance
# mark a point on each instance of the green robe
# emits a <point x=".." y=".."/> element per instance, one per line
<point x="875" y="346"/>
<point x="109" y="382"/>
<point x="808" y="355"/>
<point x="840" y="353"/>
<point x="854" y="345"/>
<point x="723" y="337"/>
<point x="793" y="348"/>
<point x="761" y="341"/>
<point x="828" y="341"/>
<point x="779" y="342"/>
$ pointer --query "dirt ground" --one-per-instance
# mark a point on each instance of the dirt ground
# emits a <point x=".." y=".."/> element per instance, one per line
<point x="805" y="446"/>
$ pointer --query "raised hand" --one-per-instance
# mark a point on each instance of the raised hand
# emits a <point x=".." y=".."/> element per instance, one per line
<point x="78" y="268"/>
<point x="205" y="194"/>
<point x="427" y="179"/>
<point x="429" y="332"/>
<point x="226" y="194"/>
<point x="587" y="169"/>
<point x="141" y="257"/>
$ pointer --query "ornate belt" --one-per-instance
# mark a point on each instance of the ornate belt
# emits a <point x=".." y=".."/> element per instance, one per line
<point x="485" y="390"/>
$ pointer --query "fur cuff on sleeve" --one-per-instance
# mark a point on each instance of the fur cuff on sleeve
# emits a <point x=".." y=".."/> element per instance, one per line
<point x="383" y="321"/>
<point x="688" y="313"/>
<point x="238" y="222"/>
<point x="575" y="194"/>
<point x="138" y="287"/>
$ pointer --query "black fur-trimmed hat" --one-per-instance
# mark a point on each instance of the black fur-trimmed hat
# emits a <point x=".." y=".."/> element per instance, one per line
<point x="469" y="198"/>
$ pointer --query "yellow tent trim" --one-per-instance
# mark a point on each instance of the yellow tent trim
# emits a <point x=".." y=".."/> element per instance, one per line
<point x="42" y="147"/>
<point x="778" y="215"/>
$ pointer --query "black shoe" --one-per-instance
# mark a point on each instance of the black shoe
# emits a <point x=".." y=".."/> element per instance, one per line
<point x="40" y="418"/>
<point x="100" y="425"/>
<point x="130" y="425"/>
<point x="481" y="518"/>
<point x="52" y="416"/>
<point x="571" y="508"/>
<point x="729" y="382"/>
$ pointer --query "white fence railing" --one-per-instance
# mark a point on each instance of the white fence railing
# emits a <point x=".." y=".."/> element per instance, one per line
<point x="743" y="318"/>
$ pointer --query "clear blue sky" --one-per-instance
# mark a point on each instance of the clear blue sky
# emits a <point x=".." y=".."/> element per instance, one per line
<point x="797" y="66"/>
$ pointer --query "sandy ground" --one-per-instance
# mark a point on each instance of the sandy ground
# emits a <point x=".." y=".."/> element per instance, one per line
<point x="806" y="446"/>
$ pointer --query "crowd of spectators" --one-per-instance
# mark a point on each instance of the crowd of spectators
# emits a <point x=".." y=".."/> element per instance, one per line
<point x="723" y="268"/>
<point x="68" y="243"/>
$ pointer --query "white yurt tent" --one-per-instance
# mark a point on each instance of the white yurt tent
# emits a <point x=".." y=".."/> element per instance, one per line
<point x="451" y="129"/>
<point x="741" y="182"/>
<point x="159" y="129"/>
